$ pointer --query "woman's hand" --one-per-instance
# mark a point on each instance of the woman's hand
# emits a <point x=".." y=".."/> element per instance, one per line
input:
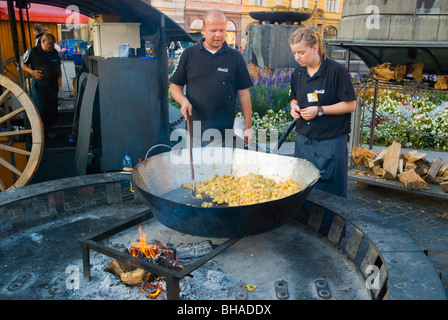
<point x="295" y="110"/>
<point x="309" y="113"/>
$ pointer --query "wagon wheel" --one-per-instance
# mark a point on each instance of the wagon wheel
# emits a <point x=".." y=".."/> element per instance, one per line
<point x="20" y="154"/>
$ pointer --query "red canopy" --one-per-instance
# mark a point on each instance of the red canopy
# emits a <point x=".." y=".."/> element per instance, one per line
<point x="44" y="13"/>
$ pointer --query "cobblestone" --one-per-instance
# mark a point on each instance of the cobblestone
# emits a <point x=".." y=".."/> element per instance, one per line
<point x="425" y="220"/>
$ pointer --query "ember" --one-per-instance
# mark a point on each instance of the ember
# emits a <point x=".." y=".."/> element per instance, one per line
<point x="156" y="287"/>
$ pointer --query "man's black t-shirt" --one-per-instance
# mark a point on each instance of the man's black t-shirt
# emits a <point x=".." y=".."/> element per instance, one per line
<point x="331" y="84"/>
<point x="212" y="81"/>
<point x="47" y="62"/>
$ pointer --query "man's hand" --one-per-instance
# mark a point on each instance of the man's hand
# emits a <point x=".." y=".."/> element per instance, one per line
<point x="186" y="109"/>
<point x="37" y="74"/>
<point x="247" y="135"/>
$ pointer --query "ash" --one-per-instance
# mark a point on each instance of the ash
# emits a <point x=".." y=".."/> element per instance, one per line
<point x="208" y="282"/>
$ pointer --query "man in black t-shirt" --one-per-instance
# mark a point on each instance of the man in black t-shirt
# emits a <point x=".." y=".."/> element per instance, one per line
<point x="215" y="76"/>
<point x="44" y="64"/>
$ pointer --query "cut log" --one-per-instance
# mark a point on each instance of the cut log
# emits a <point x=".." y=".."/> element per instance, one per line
<point x="442" y="83"/>
<point x="423" y="166"/>
<point x="360" y="153"/>
<point x="401" y="71"/>
<point x="444" y="186"/>
<point x="417" y="71"/>
<point x="434" y="170"/>
<point x="414" y="155"/>
<point x="439" y="180"/>
<point x="390" y="162"/>
<point x="378" y="159"/>
<point x="400" y="165"/>
<point x="377" y="170"/>
<point x="442" y="169"/>
<point x="409" y="166"/>
<point x="383" y="72"/>
<point x="411" y="180"/>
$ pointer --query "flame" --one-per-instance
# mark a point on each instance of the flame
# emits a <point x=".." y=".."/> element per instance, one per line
<point x="150" y="250"/>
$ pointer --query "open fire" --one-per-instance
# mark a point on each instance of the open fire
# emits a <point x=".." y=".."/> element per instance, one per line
<point x="156" y="252"/>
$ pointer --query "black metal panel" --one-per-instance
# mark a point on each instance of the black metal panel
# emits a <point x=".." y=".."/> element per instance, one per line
<point x="130" y="113"/>
<point x="433" y="54"/>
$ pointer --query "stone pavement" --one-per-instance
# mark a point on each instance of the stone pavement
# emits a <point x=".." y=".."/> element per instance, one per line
<point x="423" y="219"/>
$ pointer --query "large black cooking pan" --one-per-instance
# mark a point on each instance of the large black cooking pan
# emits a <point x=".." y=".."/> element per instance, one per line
<point x="160" y="178"/>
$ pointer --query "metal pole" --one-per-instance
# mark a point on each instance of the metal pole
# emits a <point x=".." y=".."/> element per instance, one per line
<point x="15" y="36"/>
<point x="372" y="123"/>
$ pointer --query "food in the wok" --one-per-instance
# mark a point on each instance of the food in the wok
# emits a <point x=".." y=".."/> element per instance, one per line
<point x="243" y="190"/>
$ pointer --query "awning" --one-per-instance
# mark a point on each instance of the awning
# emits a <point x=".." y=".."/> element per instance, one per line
<point x="151" y="19"/>
<point x="41" y="13"/>
<point x="434" y="54"/>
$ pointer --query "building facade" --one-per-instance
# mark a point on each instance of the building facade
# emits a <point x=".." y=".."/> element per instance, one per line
<point x="189" y="13"/>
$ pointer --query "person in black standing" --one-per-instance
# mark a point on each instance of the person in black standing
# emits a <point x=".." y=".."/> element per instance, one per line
<point x="38" y="31"/>
<point x="322" y="100"/>
<point x="215" y="77"/>
<point x="42" y="62"/>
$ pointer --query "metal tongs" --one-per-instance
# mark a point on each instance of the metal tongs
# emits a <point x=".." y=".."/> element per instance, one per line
<point x="193" y="183"/>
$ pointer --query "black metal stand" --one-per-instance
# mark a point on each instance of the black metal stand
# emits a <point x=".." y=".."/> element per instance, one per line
<point x="172" y="276"/>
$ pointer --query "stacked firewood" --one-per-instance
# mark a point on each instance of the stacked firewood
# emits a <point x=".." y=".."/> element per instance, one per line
<point x="442" y="83"/>
<point x="387" y="71"/>
<point x="410" y="168"/>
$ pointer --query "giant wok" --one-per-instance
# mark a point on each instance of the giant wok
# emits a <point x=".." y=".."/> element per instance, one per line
<point x="160" y="179"/>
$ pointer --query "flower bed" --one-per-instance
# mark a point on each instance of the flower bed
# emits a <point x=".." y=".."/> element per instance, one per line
<point x="415" y="121"/>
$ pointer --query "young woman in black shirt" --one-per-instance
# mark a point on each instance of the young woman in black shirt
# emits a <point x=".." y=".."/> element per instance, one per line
<point x="322" y="99"/>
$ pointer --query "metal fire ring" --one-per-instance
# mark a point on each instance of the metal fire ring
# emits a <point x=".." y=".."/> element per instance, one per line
<point x="398" y="268"/>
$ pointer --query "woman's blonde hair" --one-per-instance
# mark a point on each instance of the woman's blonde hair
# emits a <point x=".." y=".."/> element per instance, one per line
<point x="311" y="38"/>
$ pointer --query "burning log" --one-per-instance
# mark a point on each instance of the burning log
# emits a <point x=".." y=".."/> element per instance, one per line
<point x="128" y="274"/>
<point x="156" y="252"/>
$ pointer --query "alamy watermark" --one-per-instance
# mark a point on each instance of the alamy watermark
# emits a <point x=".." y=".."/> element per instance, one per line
<point x="73" y="20"/>
<point x="373" y="21"/>
<point x="373" y="278"/>
<point x="208" y="145"/>
<point x="72" y="281"/>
